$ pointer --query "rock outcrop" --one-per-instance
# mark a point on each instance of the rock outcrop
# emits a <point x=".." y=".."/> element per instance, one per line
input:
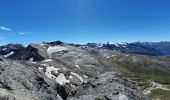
<point x="108" y="86"/>
<point x="19" y="81"/>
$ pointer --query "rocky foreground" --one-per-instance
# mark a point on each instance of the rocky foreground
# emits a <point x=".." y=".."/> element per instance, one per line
<point x="20" y="81"/>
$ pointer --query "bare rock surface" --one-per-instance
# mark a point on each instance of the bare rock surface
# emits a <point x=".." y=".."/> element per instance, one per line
<point x="108" y="86"/>
<point x="22" y="82"/>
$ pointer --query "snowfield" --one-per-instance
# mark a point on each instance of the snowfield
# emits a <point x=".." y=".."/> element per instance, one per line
<point x="78" y="76"/>
<point x="60" y="78"/>
<point x="53" y="49"/>
<point x="11" y="53"/>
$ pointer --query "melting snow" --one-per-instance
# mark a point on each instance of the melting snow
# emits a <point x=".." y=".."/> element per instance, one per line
<point x="111" y="56"/>
<point x="40" y="68"/>
<point x="78" y="76"/>
<point x="60" y="78"/>
<point x="47" y="60"/>
<point x="53" y="49"/>
<point x="127" y="55"/>
<point x="85" y="76"/>
<point x="70" y="76"/>
<point x="4" y="49"/>
<point x="33" y="62"/>
<point x="73" y="86"/>
<point x="31" y="59"/>
<point x="78" y="66"/>
<point x="49" y="69"/>
<point x="44" y="65"/>
<point x="11" y="53"/>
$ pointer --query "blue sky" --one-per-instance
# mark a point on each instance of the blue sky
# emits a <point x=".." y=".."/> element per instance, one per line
<point x="82" y="21"/>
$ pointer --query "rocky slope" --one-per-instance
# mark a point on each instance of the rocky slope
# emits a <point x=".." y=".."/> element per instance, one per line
<point x="32" y="52"/>
<point x="19" y="81"/>
<point x="108" y="86"/>
<point x="22" y="81"/>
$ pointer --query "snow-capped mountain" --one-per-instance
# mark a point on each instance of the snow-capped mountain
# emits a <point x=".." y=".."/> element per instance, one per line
<point x="143" y="48"/>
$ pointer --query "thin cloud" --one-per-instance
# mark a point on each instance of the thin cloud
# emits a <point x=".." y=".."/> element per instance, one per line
<point x="5" y="28"/>
<point x="23" y="33"/>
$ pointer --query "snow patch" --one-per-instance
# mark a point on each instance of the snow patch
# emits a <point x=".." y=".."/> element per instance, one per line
<point x="85" y="76"/>
<point x="44" y="65"/>
<point x="127" y="55"/>
<point x="53" y="49"/>
<point x="47" y="60"/>
<point x="4" y="49"/>
<point x="31" y="59"/>
<point x="78" y="76"/>
<point x="70" y="77"/>
<point x="78" y="66"/>
<point x="99" y="45"/>
<point x="40" y="68"/>
<point x="61" y="79"/>
<point x="49" y="69"/>
<point x="33" y="62"/>
<point x="11" y="53"/>
<point x="111" y="56"/>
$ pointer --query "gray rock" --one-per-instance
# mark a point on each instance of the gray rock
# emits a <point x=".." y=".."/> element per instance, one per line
<point x="19" y="81"/>
<point x="108" y="86"/>
<point x="34" y="52"/>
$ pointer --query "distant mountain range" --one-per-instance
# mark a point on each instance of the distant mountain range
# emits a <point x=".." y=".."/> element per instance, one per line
<point x="143" y="48"/>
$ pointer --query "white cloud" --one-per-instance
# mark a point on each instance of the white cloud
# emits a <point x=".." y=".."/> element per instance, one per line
<point x="23" y="33"/>
<point x="5" y="28"/>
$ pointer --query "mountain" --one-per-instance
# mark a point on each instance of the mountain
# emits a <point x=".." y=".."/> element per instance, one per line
<point x="33" y="52"/>
<point x="142" y="48"/>
<point x="79" y="71"/>
<point x="164" y="47"/>
<point x="11" y="49"/>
